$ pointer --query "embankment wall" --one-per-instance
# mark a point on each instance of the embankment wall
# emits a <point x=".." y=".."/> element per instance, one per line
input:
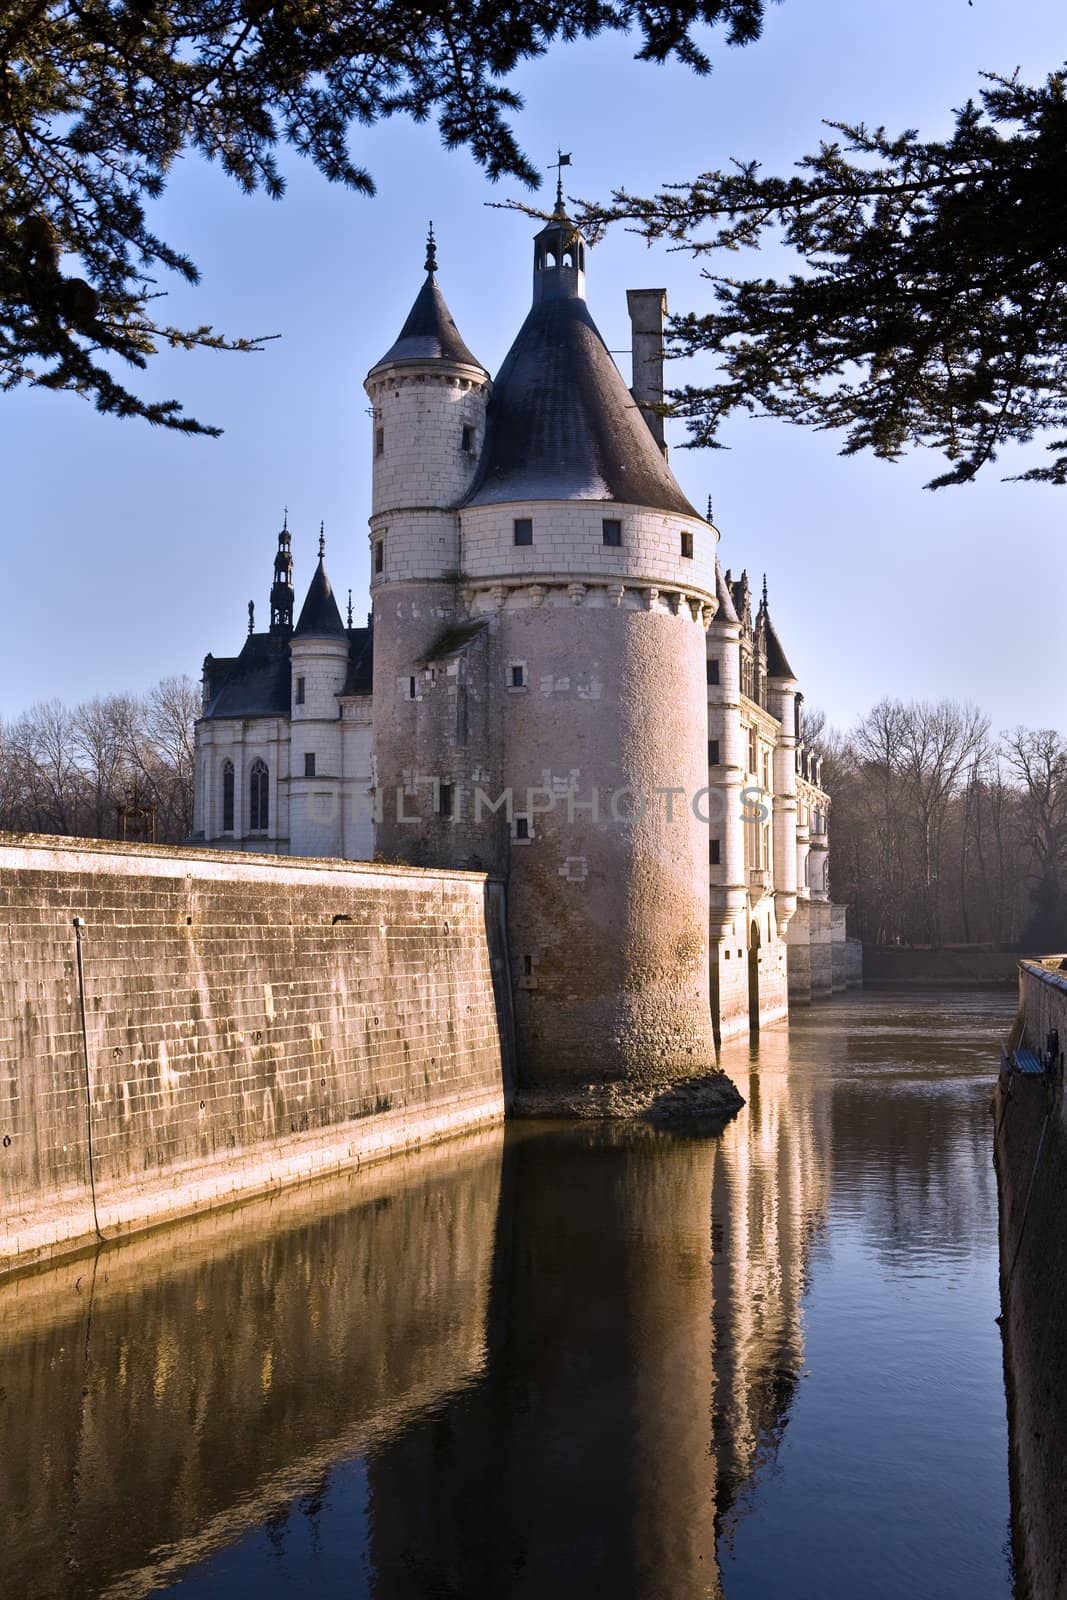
<point x="898" y="967"/>
<point x="249" y="1022"/>
<point x="1031" y="1161"/>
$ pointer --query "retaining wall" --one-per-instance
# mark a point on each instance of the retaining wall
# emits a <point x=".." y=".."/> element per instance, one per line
<point x="250" y="1022"/>
<point x="1031" y="1161"/>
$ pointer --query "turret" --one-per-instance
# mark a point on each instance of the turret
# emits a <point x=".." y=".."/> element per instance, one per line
<point x="282" y="598"/>
<point x="781" y="698"/>
<point x="319" y="651"/>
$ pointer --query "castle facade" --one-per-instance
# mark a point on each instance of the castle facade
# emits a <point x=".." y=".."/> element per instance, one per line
<point x="558" y="684"/>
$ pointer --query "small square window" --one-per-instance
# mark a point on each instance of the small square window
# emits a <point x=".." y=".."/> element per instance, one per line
<point x="309" y="765"/>
<point x="467" y="444"/>
<point x="300" y="691"/>
<point x="518" y="675"/>
<point x="713" y="752"/>
<point x="716" y="852"/>
<point x="444" y="800"/>
<point x="379" y="442"/>
<point x="612" y="532"/>
<point x="687" y="544"/>
<point x="379" y="555"/>
<point x="522" y="827"/>
<point x="523" y="530"/>
<point x="713" y="669"/>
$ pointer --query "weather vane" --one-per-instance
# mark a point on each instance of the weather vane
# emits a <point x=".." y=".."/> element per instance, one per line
<point x="558" y="165"/>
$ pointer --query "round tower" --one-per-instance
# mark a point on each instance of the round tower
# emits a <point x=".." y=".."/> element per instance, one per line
<point x="782" y="702"/>
<point x="319" y="654"/>
<point x="428" y="397"/>
<point x="594" y="579"/>
<point x="729" y="891"/>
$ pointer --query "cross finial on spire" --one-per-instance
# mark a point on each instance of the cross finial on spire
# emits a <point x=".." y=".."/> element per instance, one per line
<point x="764" y="591"/>
<point x="350" y="608"/>
<point x="560" y="162"/>
<point x="709" y="507"/>
<point x="251" y="617"/>
<point x="322" y="540"/>
<point x="431" y="251"/>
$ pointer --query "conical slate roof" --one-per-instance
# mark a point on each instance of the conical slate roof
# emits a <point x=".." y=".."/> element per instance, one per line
<point x="562" y="424"/>
<point x="319" y="613"/>
<point x="727" y="611"/>
<point x="777" y="665"/>
<point x="430" y="333"/>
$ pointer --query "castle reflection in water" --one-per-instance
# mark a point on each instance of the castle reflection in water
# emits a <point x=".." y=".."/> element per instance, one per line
<point x="560" y="1355"/>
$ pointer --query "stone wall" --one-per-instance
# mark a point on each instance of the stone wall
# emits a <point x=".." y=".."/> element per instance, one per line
<point x="249" y="1022"/>
<point x="1031" y="1161"/>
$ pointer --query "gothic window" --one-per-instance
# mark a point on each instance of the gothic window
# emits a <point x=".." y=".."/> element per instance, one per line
<point x="612" y="532"/>
<point x="259" y="797"/>
<point x="523" y="530"/>
<point x="227" y="797"/>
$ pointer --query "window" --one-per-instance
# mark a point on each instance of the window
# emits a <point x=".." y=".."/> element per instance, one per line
<point x="379" y="441"/>
<point x="713" y="669"/>
<point x="612" y="532"/>
<point x="227" y="797"/>
<point x="753" y="752"/>
<point x="411" y="688"/>
<point x="467" y="445"/>
<point x="259" y="797"/>
<point x="517" y="675"/>
<point x="716" y="852"/>
<point x="687" y="544"/>
<point x="522" y="827"/>
<point x="713" y="752"/>
<point x="379" y="555"/>
<point x="527" y="966"/>
<point x="444" y="800"/>
<point x="523" y="530"/>
<point x="300" y="691"/>
<point x="309" y="764"/>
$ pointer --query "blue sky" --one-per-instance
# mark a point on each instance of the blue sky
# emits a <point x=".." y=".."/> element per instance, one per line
<point x="132" y="553"/>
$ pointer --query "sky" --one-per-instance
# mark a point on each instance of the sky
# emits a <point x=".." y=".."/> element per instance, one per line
<point x="132" y="552"/>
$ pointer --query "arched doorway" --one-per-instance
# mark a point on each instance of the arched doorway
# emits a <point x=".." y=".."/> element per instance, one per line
<point x="753" y="976"/>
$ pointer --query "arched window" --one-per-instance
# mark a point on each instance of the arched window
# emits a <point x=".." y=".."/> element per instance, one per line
<point x="259" y="797"/>
<point x="227" y="797"/>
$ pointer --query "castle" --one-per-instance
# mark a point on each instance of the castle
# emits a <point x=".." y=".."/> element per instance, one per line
<point x="558" y="685"/>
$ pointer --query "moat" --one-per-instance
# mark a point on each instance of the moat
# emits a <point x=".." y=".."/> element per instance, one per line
<point x="558" y="1361"/>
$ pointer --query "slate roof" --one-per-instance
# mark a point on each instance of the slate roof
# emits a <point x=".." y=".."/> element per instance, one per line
<point x="726" y="611"/>
<point x="562" y="424"/>
<point x="257" y="683"/>
<point x="430" y="332"/>
<point x="777" y="665"/>
<point x="360" y="661"/>
<point x="319" y="613"/>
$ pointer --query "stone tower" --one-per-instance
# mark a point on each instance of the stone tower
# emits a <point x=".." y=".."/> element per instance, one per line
<point x="540" y="677"/>
<point x="428" y="396"/>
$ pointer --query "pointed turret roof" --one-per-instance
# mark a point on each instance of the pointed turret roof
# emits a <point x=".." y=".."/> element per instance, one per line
<point x="777" y="665"/>
<point x="430" y="332"/>
<point x="319" y="613"/>
<point x="726" y="611"/>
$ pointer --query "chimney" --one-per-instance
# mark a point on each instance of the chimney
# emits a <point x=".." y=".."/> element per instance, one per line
<point x="648" y="311"/>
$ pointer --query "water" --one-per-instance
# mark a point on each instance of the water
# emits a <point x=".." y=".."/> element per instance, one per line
<point x="567" y="1361"/>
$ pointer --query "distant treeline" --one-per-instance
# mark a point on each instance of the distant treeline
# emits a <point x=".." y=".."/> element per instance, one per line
<point x="70" y="770"/>
<point x="942" y="833"/>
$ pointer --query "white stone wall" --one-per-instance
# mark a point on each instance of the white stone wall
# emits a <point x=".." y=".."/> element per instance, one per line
<point x="568" y="546"/>
<point x="242" y="740"/>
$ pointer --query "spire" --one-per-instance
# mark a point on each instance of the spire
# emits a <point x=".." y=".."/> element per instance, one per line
<point x="560" y="162"/>
<point x="319" y="613"/>
<point x="282" y="597"/>
<point x="559" y="251"/>
<point x="430" y="332"/>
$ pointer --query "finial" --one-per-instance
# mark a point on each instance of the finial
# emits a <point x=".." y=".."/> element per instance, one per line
<point x="709" y="507"/>
<point x="764" y="591"/>
<point x="322" y="540"/>
<point x="350" y="608"/>
<point x="251" y="617"/>
<point x="431" y="251"/>
<point x="560" y="162"/>
<point x="285" y="521"/>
